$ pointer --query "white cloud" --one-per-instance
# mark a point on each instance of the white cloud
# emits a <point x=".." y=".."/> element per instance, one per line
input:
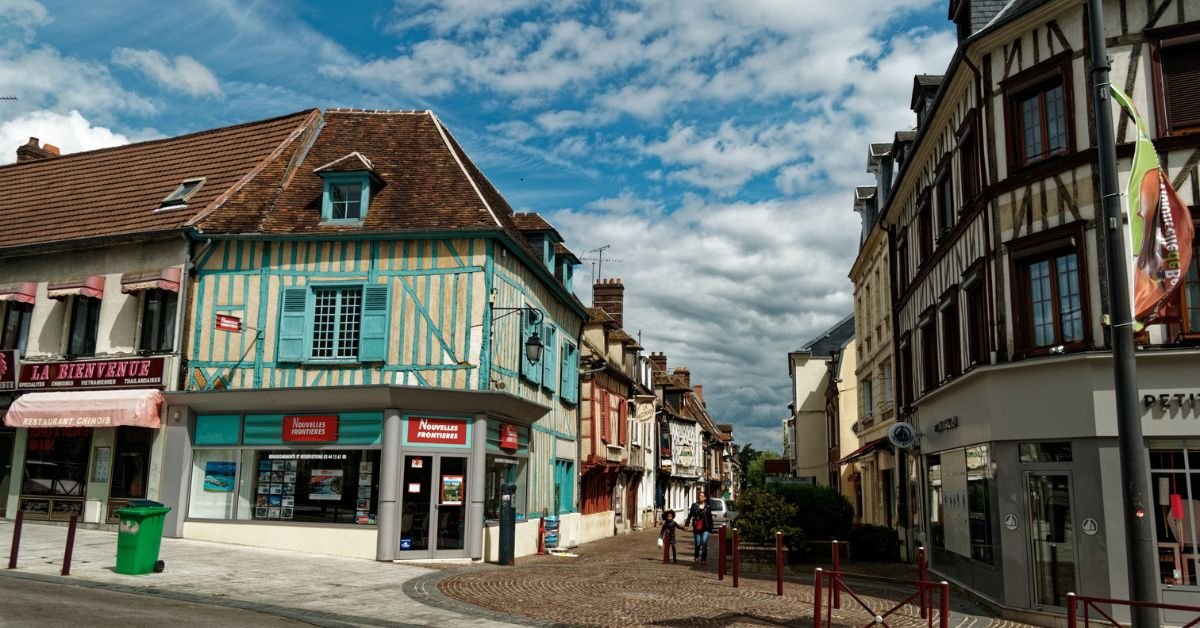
<point x="22" y="17"/>
<point x="70" y="132"/>
<point x="184" y="74"/>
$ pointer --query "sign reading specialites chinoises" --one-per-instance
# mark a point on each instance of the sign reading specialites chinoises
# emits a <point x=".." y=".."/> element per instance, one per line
<point x="139" y="372"/>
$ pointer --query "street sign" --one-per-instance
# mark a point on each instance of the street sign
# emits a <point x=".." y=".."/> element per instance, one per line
<point x="225" y="322"/>
<point x="1010" y="521"/>
<point x="1090" y="526"/>
<point x="902" y="435"/>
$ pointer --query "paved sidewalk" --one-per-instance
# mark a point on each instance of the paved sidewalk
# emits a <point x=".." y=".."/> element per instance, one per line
<point x="622" y="582"/>
<point x="323" y="590"/>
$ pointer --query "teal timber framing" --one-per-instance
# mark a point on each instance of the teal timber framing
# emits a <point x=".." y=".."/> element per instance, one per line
<point x="438" y="334"/>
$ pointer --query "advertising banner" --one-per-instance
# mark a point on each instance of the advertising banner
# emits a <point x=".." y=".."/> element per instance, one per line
<point x="313" y="429"/>
<point x="1160" y="230"/>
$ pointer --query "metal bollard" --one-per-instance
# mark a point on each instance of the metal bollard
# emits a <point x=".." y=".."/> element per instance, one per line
<point x="722" y="547"/>
<point x="944" y="620"/>
<point x="921" y="578"/>
<point x="778" y="563"/>
<point x="837" y="568"/>
<point x="1071" y="612"/>
<point x="736" y="558"/>
<point x="66" y="568"/>
<point x="817" y="599"/>
<point x="16" y="543"/>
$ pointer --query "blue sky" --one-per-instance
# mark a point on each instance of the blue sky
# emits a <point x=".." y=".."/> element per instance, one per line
<point x="713" y="145"/>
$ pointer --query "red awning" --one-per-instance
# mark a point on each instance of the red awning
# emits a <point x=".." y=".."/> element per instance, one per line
<point x="86" y="408"/>
<point x="91" y="286"/>
<point x="164" y="279"/>
<point x="869" y="448"/>
<point x="22" y="291"/>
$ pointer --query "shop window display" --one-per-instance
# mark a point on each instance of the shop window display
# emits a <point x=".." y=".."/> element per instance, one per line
<point x="56" y="461"/>
<point x="310" y="486"/>
<point x="1175" y="481"/>
<point x="500" y="470"/>
<point x="937" y="528"/>
<point x="131" y="463"/>
<point x="979" y="503"/>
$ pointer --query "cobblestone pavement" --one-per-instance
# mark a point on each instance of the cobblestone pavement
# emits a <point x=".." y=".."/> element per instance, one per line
<point x="622" y="582"/>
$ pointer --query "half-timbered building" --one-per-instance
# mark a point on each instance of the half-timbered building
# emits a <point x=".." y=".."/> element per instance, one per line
<point x="380" y="355"/>
<point x="1001" y="307"/>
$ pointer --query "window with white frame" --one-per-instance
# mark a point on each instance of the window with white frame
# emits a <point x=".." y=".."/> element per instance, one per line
<point x="336" y="320"/>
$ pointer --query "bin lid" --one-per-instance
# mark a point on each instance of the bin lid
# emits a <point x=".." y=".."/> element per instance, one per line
<point x="143" y="503"/>
<point x="142" y="511"/>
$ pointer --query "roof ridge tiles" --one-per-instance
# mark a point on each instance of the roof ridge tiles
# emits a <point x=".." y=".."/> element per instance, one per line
<point x="59" y="159"/>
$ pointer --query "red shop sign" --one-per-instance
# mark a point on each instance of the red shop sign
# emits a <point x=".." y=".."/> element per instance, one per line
<point x="508" y="436"/>
<point x="429" y="431"/>
<point x="148" y="372"/>
<point x="225" y="322"/>
<point x="321" y="429"/>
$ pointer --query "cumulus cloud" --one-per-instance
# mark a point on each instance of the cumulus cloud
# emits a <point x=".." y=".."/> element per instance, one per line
<point x="183" y="74"/>
<point x="70" y="132"/>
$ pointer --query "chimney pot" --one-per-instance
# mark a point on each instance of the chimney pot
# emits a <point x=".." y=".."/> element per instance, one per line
<point x="685" y="375"/>
<point x="31" y="151"/>
<point x="609" y="295"/>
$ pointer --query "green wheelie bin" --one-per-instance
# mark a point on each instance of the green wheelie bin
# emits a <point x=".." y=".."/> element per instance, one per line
<point x="139" y="537"/>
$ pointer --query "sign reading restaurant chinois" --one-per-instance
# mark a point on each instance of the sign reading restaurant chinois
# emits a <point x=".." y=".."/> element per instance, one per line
<point x="118" y="373"/>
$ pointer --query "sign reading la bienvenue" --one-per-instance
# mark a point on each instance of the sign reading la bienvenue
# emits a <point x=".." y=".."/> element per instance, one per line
<point x="117" y="373"/>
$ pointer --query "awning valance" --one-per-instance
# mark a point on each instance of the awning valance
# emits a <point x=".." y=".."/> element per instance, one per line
<point x="869" y="448"/>
<point x="86" y="408"/>
<point x="21" y="291"/>
<point x="162" y="279"/>
<point x="91" y="286"/>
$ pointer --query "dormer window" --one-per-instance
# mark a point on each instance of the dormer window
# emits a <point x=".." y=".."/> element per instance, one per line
<point x="180" y="196"/>
<point x="348" y="186"/>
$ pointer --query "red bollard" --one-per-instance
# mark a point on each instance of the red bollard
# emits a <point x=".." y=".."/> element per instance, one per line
<point x="778" y="563"/>
<point x="837" y="568"/>
<point x="1071" y="612"/>
<point x="722" y="547"/>
<point x="16" y="544"/>
<point x="944" y="620"/>
<point x="921" y="578"/>
<point x="66" y="570"/>
<point x="817" y="599"/>
<point x="736" y="558"/>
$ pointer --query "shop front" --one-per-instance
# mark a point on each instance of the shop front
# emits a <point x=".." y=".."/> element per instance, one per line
<point x="81" y="438"/>
<point x="383" y="472"/>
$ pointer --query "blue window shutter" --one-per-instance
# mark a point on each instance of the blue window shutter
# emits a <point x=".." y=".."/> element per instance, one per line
<point x="549" y="358"/>
<point x="570" y="373"/>
<point x="529" y="370"/>
<point x="295" y="325"/>
<point x="372" y="342"/>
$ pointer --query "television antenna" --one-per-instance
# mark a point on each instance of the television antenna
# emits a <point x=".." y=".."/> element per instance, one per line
<point x="598" y="261"/>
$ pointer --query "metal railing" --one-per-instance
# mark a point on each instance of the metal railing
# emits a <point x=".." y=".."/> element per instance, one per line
<point x="830" y="585"/>
<point x="1088" y="605"/>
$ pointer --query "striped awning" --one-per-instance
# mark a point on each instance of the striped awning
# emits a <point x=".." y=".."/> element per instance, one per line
<point x="21" y="291"/>
<point x="90" y="286"/>
<point x="162" y="279"/>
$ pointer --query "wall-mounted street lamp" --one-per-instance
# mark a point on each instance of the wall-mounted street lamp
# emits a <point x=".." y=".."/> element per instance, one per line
<point x="534" y="345"/>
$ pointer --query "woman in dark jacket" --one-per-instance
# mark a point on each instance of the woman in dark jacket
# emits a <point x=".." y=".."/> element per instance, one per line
<point x="700" y="522"/>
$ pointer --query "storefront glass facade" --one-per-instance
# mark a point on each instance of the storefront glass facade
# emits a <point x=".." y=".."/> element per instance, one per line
<point x="320" y="469"/>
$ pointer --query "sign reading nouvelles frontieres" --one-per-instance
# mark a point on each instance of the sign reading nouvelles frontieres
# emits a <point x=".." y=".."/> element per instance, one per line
<point x="309" y="428"/>
<point x="149" y="372"/>
<point x="436" y="431"/>
<point x="227" y="322"/>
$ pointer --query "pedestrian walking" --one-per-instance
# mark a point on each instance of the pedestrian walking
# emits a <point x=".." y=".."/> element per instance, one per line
<point x="667" y="533"/>
<point x="700" y="522"/>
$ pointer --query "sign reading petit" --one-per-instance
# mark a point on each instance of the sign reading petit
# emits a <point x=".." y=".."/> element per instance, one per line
<point x="430" y="431"/>
<point x="319" y="429"/>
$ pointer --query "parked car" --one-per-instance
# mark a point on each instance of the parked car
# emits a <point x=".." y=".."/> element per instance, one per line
<point x="723" y="510"/>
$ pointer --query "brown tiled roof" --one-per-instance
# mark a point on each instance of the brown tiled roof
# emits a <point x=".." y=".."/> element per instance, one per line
<point x="561" y="250"/>
<point x="532" y="221"/>
<point x="350" y="162"/>
<point x="116" y="191"/>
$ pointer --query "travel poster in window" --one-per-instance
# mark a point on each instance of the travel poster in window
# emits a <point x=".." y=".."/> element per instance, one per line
<point x="325" y="484"/>
<point x="219" y="476"/>
<point x="452" y="490"/>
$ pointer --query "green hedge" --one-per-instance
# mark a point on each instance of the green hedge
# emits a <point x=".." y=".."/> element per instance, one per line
<point x="822" y="512"/>
<point x="874" y="543"/>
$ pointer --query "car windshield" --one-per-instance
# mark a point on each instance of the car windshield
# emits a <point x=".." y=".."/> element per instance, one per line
<point x="716" y="505"/>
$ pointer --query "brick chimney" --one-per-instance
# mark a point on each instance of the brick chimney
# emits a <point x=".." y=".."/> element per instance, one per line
<point x="659" y="362"/>
<point x="609" y="295"/>
<point x="32" y="151"/>
<point x="685" y="376"/>
<point x="699" y="390"/>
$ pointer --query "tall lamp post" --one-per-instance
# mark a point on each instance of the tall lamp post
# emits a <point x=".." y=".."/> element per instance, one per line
<point x="1139" y="540"/>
